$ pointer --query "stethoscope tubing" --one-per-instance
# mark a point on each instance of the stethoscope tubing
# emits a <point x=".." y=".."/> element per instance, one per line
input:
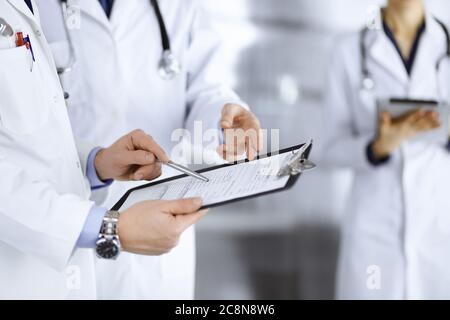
<point x="368" y="83"/>
<point x="168" y="65"/>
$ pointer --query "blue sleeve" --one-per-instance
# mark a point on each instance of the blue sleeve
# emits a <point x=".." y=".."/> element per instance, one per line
<point x="374" y="161"/>
<point x="89" y="236"/>
<point x="91" y="172"/>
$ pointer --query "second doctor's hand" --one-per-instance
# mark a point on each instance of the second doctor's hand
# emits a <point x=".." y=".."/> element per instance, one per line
<point x="392" y="132"/>
<point x="242" y="133"/>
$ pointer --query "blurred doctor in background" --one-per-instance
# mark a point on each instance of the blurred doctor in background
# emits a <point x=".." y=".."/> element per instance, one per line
<point x="148" y="64"/>
<point x="397" y="233"/>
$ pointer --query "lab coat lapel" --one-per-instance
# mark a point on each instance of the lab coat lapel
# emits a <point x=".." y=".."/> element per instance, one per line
<point x="431" y="48"/>
<point x="384" y="53"/>
<point x="123" y="8"/>
<point x="94" y="10"/>
<point x="21" y="6"/>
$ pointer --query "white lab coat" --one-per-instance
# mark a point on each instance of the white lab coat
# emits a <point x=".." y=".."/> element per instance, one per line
<point x="43" y="191"/>
<point x="115" y="87"/>
<point x="396" y="235"/>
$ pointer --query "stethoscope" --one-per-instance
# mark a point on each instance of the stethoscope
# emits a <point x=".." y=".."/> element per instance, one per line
<point x="368" y="83"/>
<point x="5" y="29"/>
<point x="168" y="66"/>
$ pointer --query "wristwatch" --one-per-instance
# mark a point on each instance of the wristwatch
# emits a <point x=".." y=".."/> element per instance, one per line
<point x="108" y="243"/>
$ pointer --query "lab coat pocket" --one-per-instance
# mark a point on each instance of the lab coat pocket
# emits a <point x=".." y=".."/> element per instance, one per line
<point x="23" y="108"/>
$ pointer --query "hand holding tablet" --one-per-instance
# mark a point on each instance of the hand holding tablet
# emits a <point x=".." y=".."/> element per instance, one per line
<point x="405" y="119"/>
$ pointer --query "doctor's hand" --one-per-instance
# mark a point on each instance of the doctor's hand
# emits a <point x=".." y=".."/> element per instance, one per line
<point x="154" y="227"/>
<point x="135" y="156"/>
<point x="392" y="132"/>
<point x="242" y="133"/>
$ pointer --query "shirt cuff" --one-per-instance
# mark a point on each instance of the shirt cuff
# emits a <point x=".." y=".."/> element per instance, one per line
<point x="447" y="146"/>
<point x="373" y="160"/>
<point x="89" y="235"/>
<point x="91" y="172"/>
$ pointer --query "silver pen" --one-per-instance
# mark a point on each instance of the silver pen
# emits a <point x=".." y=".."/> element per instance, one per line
<point x="187" y="171"/>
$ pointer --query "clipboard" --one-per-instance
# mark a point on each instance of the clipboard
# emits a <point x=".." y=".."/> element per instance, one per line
<point x="295" y="163"/>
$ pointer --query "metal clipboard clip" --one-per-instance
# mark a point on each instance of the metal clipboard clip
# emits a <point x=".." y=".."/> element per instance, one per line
<point x="298" y="163"/>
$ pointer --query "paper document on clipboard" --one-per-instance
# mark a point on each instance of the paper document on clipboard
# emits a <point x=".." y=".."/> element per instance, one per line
<point x="228" y="183"/>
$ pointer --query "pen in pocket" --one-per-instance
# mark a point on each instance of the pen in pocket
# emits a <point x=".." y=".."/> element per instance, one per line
<point x="19" y="39"/>
<point x="29" y="46"/>
<point x="25" y="41"/>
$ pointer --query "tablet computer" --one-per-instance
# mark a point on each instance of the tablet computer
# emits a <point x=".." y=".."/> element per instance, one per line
<point x="228" y="183"/>
<point x="398" y="107"/>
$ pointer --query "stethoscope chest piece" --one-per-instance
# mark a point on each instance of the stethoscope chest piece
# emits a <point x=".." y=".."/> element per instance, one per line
<point x="169" y="67"/>
<point x="368" y="84"/>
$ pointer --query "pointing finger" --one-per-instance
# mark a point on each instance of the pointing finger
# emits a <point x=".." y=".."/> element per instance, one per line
<point x="149" y="173"/>
<point x="229" y="113"/>
<point x="143" y="141"/>
<point x="139" y="157"/>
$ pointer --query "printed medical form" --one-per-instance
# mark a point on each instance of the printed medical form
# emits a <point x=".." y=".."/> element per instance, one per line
<point x="226" y="183"/>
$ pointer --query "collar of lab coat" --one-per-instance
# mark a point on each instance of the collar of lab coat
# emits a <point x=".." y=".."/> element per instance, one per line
<point x="94" y="10"/>
<point x="22" y="7"/>
<point x="431" y="47"/>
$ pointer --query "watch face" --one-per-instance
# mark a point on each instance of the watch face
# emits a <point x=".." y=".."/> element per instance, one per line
<point x="107" y="250"/>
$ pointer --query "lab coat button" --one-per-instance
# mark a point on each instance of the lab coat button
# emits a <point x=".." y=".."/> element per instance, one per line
<point x="78" y="165"/>
<point x="38" y="33"/>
